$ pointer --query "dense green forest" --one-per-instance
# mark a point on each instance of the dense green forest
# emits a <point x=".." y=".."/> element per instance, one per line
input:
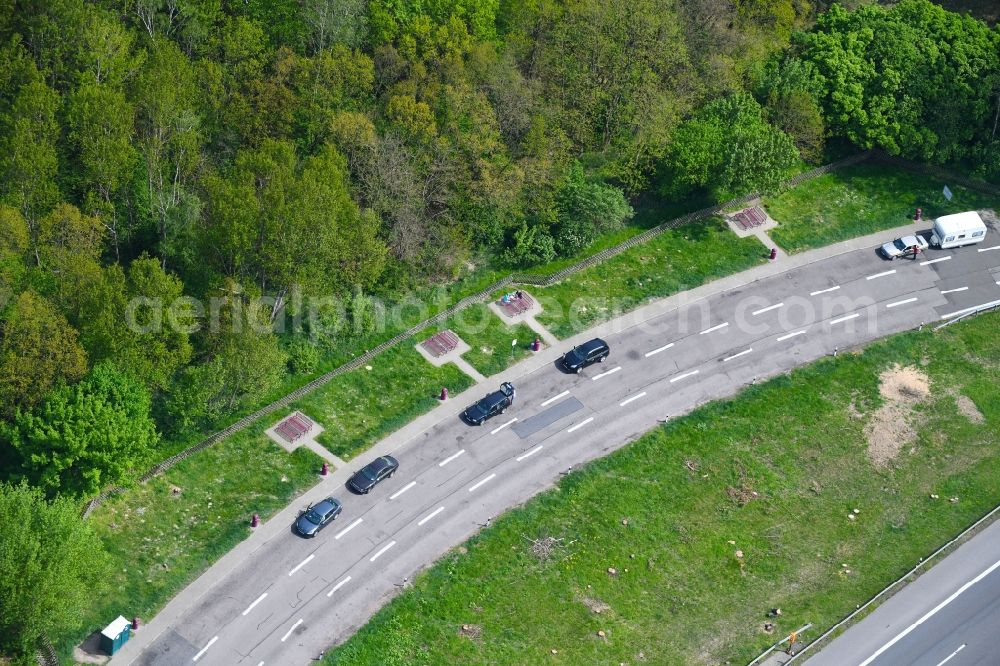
<point x="173" y="172"/>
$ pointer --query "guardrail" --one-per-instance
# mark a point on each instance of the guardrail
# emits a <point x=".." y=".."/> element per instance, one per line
<point x="774" y="647"/>
<point x="971" y="313"/>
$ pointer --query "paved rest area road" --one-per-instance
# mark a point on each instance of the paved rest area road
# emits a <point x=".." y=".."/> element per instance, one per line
<point x="278" y="599"/>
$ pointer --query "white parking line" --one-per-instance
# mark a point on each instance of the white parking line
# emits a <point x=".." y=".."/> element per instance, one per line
<point x="934" y="261"/>
<point x="302" y="564"/>
<point x="767" y="309"/>
<point x="659" y="349"/>
<point x="499" y="428"/>
<point x="338" y="586"/>
<point x="680" y="377"/>
<point x="845" y="318"/>
<point x="257" y="601"/>
<point x="450" y="458"/>
<point x="948" y="658"/>
<point x="382" y="552"/>
<point x="352" y="525"/>
<point x="479" y="483"/>
<point x="952" y="291"/>
<point x="529" y="453"/>
<point x="987" y="249"/>
<point x="580" y="424"/>
<point x="398" y="493"/>
<point x="791" y="335"/>
<point x="289" y="632"/>
<point x="898" y="303"/>
<point x="715" y="328"/>
<point x="634" y="397"/>
<point x="430" y="515"/>
<point x="742" y="353"/>
<point x="605" y="374"/>
<point x="555" y="397"/>
<point x="205" y="649"/>
<point x="824" y="291"/>
<point x="878" y="275"/>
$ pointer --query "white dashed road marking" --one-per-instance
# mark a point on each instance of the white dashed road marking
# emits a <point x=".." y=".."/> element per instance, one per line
<point x="767" y="309"/>
<point x="205" y="649"/>
<point x="952" y="291"/>
<point x="791" y="335"/>
<point x="987" y="249"/>
<point x="878" y="275"/>
<point x="338" y="586"/>
<point x="257" y="601"/>
<point x="301" y="564"/>
<point x="948" y="658"/>
<point x="742" y="353"/>
<point x="479" y="483"/>
<point x="659" y="349"/>
<point x="686" y="374"/>
<point x="499" y="428"/>
<point x="898" y="303"/>
<point x="450" y="458"/>
<point x="382" y="551"/>
<point x="555" y="397"/>
<point x="934" y="261"/>
<point x="715" y="328"/>
<point x="845" y="318"/>
<point x="824" y="291"/>
<point x="634" y="397"/>
<point x="580" y="424"/>
<point x="289" y="632"/>
<point x="351" y="526"/>
<point x="605" y="374"/>
<point x="529" y="453"/>
<point x="430" y="515"/>
<point x="396" y="494"/>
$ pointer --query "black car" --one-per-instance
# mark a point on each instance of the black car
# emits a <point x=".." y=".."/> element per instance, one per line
<point x="493" y="404"/>
<point x="594" y="351"/>
<point x="373" y="473"/>
<point x="318" y="516"/>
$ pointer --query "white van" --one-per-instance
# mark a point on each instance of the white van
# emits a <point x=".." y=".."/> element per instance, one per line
<point x="958" y="229"/>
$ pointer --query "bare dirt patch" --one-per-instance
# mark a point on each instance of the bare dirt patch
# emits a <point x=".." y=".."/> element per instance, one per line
<point x="473" y="631"/>
<point x="892" y="427"/>
<point x="595" y="605"/>
<point x="969" y="409"/>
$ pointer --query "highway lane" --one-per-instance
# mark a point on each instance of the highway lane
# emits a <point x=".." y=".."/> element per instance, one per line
<point x="295" y="597"/>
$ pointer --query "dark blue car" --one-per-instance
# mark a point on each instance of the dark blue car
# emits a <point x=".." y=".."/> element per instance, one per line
<point x="318" y="516"/>
<point x="493" y="404"/>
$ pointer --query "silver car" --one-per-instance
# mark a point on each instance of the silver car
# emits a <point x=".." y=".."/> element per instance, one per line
<point x="905" y="246"/>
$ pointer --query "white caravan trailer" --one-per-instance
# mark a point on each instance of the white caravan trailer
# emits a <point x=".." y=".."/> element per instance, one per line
<point x="958" y="229"/>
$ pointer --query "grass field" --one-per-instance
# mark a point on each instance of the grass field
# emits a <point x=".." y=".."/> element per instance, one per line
<point x="861" y="200"/>
<point x="362" y="406"/>
<point x="490" y="339"/>
<point x="674" y="261"/>
<point x="669" y="513"/>
<point x="160" y="540"/>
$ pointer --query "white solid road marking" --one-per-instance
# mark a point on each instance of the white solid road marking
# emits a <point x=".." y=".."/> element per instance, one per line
<point x="878" y="275"/>
<point x="499" y="428"/>
<point x="302" y="564"/>
<point x="289" y="632"/>
<point x="529" y="453"/>
<point x="396" y="494"/>
<point x="382" y="552"/>
<point x="450" y="458"/>
<point x="948" y="658"/>
<point x="686" y="374"/>
<point x="430" y="515"/>
<point x="628" y="400"/>
<point x="987" y="249"/>
<point x="967" y="310"/>
<point x="555" y="397"/>
<point x="952" y="291"/>
<point x="767" y="309"/>
<point x="479" y="483"/>
<point x="205" y="649"/>
<point x="791" y="335"/>
<point x="350" y="527"/>
<point x="580" y="424"/>
<point x="824" y="291"/>
<point x="846" y="318"/>
<point x="659" y="349"/>
<point x="605" y="374"/>
<point x="929" y="614"/>
<point x="338" y="586"/>
<point x="258" y="600"/>
<point x="934" y="261"/>
<point x="742" y="353"/>
<point x="260" y="663"/>
<point x="715" y="328"/>
<point x="898" y="303"/>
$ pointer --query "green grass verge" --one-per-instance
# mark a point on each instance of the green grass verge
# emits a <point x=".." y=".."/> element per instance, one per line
<point x="680" y="594"/>
<point x="362" y="406"/>
<point x="160" y="542"/>
<point x="674" y="261"/>
<point x="489" y="338"/>
<point x="861" y="200"/>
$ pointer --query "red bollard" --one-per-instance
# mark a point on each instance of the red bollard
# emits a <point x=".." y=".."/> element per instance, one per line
<point x="135" y="623"/>
<point x="536" y="345"/>
<point x="255" y="520"/>
<point x="325" y="470"/>
<point x="774" y="253"/>
<point x="444" y="394"/>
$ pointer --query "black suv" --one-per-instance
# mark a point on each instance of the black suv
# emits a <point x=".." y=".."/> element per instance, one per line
<point x="318" y="516"/>
<point x="372" y="474"/>
<point x="594" y="351"/>
<point x="493" y="404"/>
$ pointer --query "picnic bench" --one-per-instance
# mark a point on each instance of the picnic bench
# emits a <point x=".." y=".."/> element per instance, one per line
<point x="294" y="427"/>
<point x="441" y="343"/>
<point x="750" y="217"/>
<point x="516" y="304"/>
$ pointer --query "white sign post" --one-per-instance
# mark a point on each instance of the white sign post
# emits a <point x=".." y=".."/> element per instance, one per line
<point x="947" y="193"/>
